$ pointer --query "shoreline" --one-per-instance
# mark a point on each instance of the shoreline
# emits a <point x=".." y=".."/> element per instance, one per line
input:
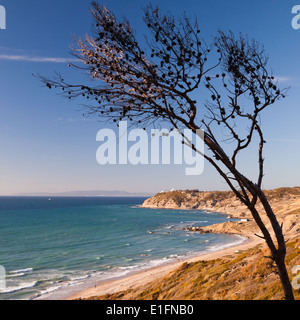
<point x="143" y="276"/>
<point x="140" y="278"/>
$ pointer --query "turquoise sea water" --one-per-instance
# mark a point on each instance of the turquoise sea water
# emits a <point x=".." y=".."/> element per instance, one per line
<point x="53" y="248"/>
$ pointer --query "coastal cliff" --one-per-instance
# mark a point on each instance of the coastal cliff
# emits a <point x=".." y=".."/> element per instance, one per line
<point x="194" y="199"/>
<point x="284" y="201"/>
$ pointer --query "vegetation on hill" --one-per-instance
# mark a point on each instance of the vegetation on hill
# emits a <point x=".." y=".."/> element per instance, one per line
<point x="180" y="195"/>
<point x="248" y="275"/>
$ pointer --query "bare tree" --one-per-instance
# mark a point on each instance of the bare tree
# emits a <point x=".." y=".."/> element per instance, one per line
<point x="221" y="88"/>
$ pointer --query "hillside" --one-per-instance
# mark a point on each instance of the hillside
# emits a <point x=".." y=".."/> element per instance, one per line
<point x="248" y="275"/>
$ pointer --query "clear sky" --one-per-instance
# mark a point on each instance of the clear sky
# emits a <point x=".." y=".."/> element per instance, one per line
<point x="47" y="146"/>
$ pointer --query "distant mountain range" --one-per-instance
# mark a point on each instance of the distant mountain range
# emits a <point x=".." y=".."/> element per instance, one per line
<point x="89" y="193"/>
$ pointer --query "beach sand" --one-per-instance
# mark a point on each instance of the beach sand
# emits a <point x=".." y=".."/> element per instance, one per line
<point x="143" y="277"/>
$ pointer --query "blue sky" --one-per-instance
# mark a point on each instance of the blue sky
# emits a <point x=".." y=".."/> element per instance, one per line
<point x="46" y="144"/>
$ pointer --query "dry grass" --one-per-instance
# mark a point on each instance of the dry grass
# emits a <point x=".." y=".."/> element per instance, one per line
<point x="246" y="276"/>
<point x="212" y="195"/>
<point x="195" y="196"/>
<point x="282" y="192"/>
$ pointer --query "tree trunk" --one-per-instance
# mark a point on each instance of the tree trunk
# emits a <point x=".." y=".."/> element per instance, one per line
<point x="284" y="278"/>
<point x="278" y="254"/>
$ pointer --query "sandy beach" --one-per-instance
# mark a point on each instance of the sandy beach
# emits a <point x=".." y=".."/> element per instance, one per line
<point x="143" y="277"/>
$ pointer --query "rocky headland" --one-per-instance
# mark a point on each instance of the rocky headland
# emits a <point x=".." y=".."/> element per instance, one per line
<point x="284" y="201"/>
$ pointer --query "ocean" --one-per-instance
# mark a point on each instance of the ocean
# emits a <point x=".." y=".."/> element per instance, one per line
<point x="52" y="248"/>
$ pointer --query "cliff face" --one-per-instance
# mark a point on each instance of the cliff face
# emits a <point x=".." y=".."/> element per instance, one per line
<point x="212" y="200"/>
<point x="194" y="199"/>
